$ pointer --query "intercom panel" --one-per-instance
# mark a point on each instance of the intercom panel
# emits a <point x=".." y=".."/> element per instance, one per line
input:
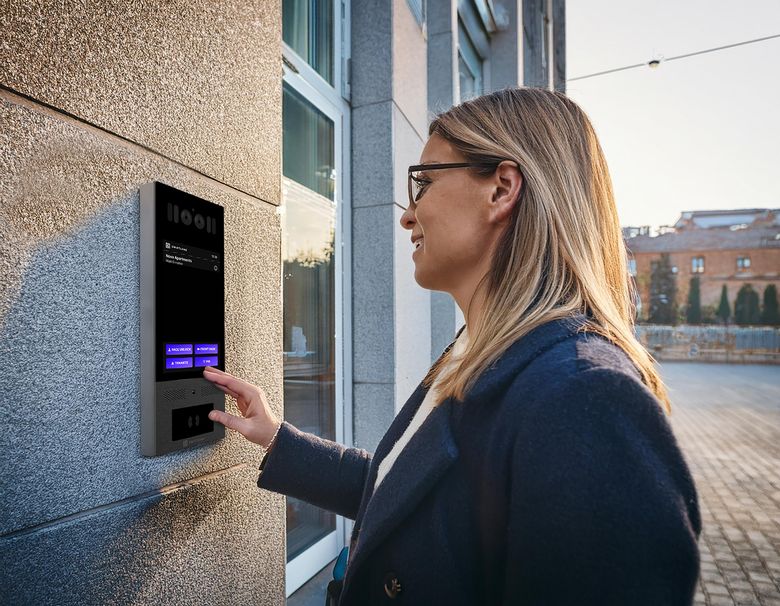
<point x="182" y="318"/>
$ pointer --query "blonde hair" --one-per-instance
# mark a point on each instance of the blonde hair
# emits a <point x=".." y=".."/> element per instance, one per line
<point x="565" y="216"/>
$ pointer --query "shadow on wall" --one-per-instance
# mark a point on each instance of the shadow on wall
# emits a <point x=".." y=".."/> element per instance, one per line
<point x="159" y="550"/>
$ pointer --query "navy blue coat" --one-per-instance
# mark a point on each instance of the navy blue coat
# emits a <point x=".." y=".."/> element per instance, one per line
<point x="557" y="481"/>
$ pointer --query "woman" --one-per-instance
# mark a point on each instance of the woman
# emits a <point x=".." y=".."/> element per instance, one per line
<point x="534" y="464"/>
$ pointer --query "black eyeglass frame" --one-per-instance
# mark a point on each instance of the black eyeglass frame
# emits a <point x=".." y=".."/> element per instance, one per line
<point x="427" y="167"/>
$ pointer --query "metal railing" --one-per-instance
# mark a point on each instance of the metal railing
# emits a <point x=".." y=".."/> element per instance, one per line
<point x="718" y="343"/>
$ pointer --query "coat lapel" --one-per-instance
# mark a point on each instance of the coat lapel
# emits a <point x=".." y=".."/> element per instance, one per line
<point x="422" y="462"/>
<point x="394" y="432"/>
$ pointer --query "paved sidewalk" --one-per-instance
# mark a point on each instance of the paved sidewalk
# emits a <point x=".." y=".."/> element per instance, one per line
<point x="727" y="420"/>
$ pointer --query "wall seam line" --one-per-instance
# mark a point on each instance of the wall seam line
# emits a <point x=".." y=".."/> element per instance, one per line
<point x="150" y="494"/>
<point x="22" y="99"/>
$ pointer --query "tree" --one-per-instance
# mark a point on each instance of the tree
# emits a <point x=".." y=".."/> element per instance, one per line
<point x="693" y="313"/>
<point x="770" y="314"/>
<point x="663" y="293"/>
<point x="724" y="309"/>
<point x="709" y="314"/>
<point x="746" y="310"/>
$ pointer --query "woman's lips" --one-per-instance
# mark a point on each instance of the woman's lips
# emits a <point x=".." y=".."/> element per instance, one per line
<point x="418" y="244"/>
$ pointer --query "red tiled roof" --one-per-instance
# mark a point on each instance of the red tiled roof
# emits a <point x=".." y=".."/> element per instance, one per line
<point x="707" y="239"/>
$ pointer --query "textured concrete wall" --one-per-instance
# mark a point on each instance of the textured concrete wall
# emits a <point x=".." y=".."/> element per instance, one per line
<point x="93" y="104"/>
<point x="391" y="313"/>
<point x="443" y="93"/>
<point x="410" y="132"/>
<point x="372" y="222"/>
<point x="194" y="81"/>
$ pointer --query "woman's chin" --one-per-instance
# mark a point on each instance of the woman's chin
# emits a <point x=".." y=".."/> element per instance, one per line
<point x="424" y="278"/>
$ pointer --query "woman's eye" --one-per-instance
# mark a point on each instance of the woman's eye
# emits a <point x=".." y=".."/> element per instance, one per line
<point x="421" y="185"/>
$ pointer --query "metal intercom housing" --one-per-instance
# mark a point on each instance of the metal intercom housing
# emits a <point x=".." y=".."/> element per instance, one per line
<point x="182" y="318"/>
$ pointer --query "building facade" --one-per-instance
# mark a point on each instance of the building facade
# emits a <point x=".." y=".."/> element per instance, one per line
<point x="731" y="248"/>
<point x="299" y="117"/>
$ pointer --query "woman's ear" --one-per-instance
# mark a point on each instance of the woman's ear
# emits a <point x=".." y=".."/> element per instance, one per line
<point x="507" y="183"/>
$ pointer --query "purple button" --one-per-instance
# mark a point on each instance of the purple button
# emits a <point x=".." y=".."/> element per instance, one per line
<point x="206" y="360"/>
<point x="178" y="349"/>
<point x="178" y="363"/>
<point x="206" y="348"/>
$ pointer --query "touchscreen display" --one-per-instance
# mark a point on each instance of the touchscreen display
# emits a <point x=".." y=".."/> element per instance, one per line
<point x="190" y="285"/>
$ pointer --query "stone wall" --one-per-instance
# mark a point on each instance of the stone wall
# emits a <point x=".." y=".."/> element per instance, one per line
<point x="96" y="100"/>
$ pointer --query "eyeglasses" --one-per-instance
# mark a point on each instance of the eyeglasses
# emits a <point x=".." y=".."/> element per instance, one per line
<point x="417" y="183"/>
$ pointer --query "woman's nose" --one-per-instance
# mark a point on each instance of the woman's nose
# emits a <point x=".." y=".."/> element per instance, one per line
<point x="408" y="219"/>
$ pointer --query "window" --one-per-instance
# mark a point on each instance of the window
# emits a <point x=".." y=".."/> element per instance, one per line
<point x="308" y="224"/>
<point x="743" y="264"/>
<point x="470" y="70"/>
<point x="697" y="265"/>
<point x="632" y="267"/>
<point x="314" y="212"/>
<point x="308" y="145"/>
<point x="307" y="27"/>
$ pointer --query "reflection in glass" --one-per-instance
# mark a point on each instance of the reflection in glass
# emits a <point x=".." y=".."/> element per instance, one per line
<point x="308" y="144"/>
<point x="307" y="27"/>
<point x="469" y="65"/>
<point x="309" y="352"/>
<point x="308" y="236"/>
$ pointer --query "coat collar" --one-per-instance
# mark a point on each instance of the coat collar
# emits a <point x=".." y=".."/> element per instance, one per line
<point x="432" y="449"/>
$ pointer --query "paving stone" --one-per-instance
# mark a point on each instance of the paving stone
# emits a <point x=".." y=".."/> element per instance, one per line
<point x="717" y="589"/>
<point x="741" y="585"/>
<point x="727" y="421"/>
<point x="709" y="567"/>
<point x="767" y="590"/>
<point x="744" y="596"/>
<point x="760" y="578"/>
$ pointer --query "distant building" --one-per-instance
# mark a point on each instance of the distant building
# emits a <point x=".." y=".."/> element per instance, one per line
<point x="730" y="247"/>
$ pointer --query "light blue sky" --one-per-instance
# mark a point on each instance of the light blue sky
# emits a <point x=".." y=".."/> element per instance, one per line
<point x="696" y="133"/>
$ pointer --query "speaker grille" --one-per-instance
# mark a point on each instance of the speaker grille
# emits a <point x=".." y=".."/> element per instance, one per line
<point x="209" y="390"/>
<point x="174" y="394"/>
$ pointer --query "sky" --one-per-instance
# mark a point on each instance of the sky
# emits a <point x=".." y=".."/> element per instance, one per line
<point x="697" y="133"/>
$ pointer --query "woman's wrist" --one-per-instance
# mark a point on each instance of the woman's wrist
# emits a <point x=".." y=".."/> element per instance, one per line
<point x="272" y="441"/>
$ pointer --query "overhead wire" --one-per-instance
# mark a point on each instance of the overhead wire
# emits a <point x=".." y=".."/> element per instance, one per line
<point x="656" y="62"/>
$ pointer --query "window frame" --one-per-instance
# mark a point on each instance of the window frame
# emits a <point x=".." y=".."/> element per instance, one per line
<point x="471" y="22"/>
<point x="333" y="101"/>
<point x="697" y="268"/>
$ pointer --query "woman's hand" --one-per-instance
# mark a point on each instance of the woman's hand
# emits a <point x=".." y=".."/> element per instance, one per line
<point x="259" y="423"/>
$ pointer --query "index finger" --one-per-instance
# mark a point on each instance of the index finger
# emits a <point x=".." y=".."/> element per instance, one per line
<point x="236" y="385"/>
